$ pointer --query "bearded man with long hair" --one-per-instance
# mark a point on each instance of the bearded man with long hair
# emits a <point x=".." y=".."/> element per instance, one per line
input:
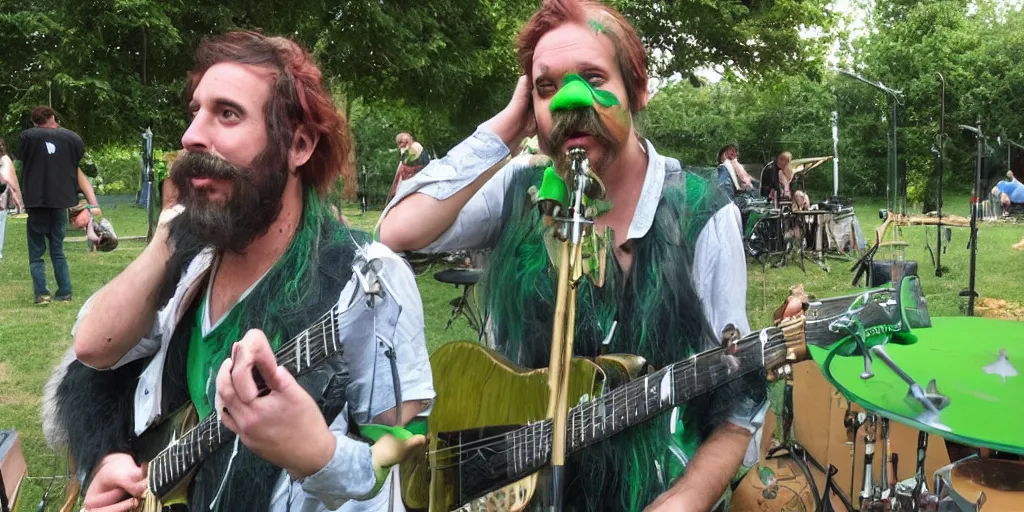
<point x="680" y="276"/>
<point x="248" y="259"/>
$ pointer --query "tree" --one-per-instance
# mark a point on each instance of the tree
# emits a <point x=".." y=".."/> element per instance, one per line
<point x="749" y="37"/>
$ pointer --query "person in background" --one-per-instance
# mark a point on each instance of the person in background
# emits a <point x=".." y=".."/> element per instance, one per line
<point x="1009" y="191"/>
<point x="412" y="159"/>
<point x="775" y="180"/>
<point x="10" y="194"/>
<point x="732" y="177"/>
<point x="51" y="178"/>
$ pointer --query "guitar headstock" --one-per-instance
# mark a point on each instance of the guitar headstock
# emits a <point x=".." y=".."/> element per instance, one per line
<point x="822" y="323"/>
<point x="779" y="363"/>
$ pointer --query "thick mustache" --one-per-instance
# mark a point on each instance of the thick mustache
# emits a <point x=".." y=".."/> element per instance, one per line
<point x="206" y="165"/>
<point x="568" y="123"/>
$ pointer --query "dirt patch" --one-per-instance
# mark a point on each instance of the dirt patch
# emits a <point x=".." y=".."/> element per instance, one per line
<point x="999" y="308"/>
<point x="11" y="397"/>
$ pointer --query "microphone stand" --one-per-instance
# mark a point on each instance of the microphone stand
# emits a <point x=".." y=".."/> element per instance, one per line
<point x="972" y="244"/>
<point x="895" y="186"/>
<point x="573" y="224"/>
<point x="939" y="172"/>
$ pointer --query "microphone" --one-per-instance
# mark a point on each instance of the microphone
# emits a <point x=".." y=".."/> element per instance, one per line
<point x="972" y="129"/>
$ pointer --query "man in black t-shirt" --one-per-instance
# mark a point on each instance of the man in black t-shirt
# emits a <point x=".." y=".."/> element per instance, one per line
<point x="50" y="180"/>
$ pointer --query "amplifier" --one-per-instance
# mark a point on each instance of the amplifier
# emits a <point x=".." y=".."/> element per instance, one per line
<point x="12" y="469"/>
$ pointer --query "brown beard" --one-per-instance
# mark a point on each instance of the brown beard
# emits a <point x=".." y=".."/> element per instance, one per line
<point x="254" y="204"/>
<point x="566" y="123"/>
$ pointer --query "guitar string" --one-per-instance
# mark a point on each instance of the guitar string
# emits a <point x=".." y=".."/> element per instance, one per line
<point x="578" y="413"/>
<point x="191" y="441"/>
<point x="545" y="437"/>
<point x="578" y="416"/>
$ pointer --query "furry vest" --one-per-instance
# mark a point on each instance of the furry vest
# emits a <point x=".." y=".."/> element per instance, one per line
<point x="659" y="317"/>
<point x="92" y="411"/>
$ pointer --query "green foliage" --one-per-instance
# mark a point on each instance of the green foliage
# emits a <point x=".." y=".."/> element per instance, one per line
<point x="119" y="169"/>
<point x="782" y="113"/>
<point x="112" y="67"/>
<point x="749" y="38"/>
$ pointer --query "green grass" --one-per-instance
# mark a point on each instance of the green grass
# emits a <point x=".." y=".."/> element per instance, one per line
<point x="32" y="338"/>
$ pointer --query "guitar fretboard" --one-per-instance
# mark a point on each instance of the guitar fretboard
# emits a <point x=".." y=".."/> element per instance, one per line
<point x="306" y="350"/>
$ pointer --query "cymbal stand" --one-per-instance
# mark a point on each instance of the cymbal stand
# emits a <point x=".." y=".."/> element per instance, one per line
<point x="852" y="421"/>
<point x="884" y="491"/>
<point x="870" y="431"/>
<point x="880" y="495"/>
<point x="921" y="489"/>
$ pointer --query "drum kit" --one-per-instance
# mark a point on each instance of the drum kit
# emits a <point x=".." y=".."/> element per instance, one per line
<point x="962" y="432"/>
<point x="774" y="232"/>
<point x="841" y="424"/>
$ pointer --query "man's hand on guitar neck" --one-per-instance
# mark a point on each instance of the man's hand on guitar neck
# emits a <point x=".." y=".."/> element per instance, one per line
<point x="282" y="425"/>
<point x="116" y="485"/>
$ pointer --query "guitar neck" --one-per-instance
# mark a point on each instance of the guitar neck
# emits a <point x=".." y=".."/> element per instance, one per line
<point x="311" y="347"/>
<point x="642" y="399"/>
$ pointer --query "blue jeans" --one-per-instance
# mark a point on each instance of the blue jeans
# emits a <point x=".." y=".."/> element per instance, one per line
<point x="48" y="224"/>
<point x="3" y="229"/>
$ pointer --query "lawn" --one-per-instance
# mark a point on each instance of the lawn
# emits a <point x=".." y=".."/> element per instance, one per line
<point x="32" y="338"/>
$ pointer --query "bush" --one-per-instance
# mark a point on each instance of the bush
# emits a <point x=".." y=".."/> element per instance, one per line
<point x="117" y="169"/>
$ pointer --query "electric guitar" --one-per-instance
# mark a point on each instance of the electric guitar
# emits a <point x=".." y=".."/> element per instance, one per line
<point x="486" y="429"/>
<point x="169" y="470"/>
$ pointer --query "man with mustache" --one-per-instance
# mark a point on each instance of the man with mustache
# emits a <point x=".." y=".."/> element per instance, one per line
<point x="681" y="273"/>
<point x="248" y="259"/>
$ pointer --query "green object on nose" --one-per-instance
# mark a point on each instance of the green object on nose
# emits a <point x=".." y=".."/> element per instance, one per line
<point x="578" y="93"/>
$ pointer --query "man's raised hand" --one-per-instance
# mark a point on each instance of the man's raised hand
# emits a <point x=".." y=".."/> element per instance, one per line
<point x="516" y="121"/>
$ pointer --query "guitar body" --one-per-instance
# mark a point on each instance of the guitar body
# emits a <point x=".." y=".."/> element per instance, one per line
<point x="481" y="394"/>
<point x="155" y="439"/>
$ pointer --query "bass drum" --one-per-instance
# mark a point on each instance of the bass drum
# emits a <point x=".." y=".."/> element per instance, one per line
<point x="775" y="485"/>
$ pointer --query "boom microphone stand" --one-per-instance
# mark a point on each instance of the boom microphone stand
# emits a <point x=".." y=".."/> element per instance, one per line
<point x="939" y="171"/>
<point x="972" y="244"/>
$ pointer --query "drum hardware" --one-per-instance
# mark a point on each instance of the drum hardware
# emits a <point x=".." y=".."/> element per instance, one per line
<point x="894" y="459"/>
<point x="850" y="324"/>
<point x="852" y="421"/>
<point x="920" y="489"/>
<point x="976" y="483"/>
<point x="930" y="398"/>
<point x="831" y="488"/>
<point x="870" y="431"/>
<point x="948" y="498"/>
<point x="884" y="490"/>
<point x="463" y="304"/>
